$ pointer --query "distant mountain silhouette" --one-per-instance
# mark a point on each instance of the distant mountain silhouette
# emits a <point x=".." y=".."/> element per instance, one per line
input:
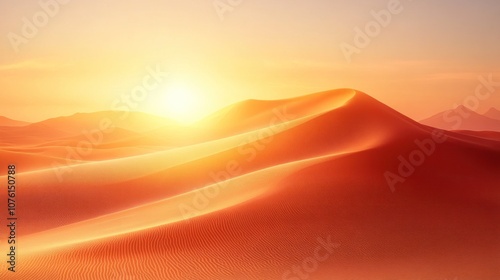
<point x="493" y="113"/>
<point x="463" y="118"/>
<point x="4" y="121"/>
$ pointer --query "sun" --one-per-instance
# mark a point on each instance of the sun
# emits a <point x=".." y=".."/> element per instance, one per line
<point x="182" y="103"/>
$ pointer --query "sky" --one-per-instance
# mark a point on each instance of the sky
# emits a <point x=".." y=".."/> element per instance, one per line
<point x="184" y="59"/>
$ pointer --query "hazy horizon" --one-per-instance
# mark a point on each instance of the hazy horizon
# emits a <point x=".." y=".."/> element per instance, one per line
<point x="83" y="56"/>
<point x="482" y="112"/>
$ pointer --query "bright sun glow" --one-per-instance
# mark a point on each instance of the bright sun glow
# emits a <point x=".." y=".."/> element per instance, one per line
<point x="181" y="103"/>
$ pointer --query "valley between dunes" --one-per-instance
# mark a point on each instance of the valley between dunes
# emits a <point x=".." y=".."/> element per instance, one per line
<point x="249" y="192"/>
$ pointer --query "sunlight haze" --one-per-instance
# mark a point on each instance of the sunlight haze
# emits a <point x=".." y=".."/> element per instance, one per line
<point x="89" y="53"/>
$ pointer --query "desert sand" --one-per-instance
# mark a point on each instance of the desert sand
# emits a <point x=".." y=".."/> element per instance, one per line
<point x="285" y="189"/>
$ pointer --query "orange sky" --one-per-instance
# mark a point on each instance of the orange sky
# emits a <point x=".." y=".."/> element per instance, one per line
<point x="86" y="56"/>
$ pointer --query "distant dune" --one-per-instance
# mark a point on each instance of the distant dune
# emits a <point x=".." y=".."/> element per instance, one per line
<point x="133" y="121"/>
<point x="285" y="189"/>
<point x="4" y="121"/>
<point x="463" y="118"/>
<point x="493" y="113"/>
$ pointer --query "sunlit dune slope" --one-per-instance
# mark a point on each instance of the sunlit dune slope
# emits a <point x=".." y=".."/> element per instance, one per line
<point x="253" y="200"/>
<point x="47" y="150"/>
<point x="241" y="118"/>
<point x="174" y="171"/>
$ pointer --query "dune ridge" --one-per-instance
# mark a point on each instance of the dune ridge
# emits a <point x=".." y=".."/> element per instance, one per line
<point x="4" y="121"/>
<point x="248" y="192"/>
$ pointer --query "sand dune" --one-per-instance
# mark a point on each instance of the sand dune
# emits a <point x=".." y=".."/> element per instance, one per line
<point x="258" y="191"/>
<point x="10" y="122"/>
<point x="493" y="135"/>
<point x="134" y="121"/>
<point x="80" y="125"/>
<point x="30" y="134"/>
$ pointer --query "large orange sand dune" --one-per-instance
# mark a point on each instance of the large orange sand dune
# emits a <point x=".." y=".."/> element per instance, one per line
<point x="289" y="189"/>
